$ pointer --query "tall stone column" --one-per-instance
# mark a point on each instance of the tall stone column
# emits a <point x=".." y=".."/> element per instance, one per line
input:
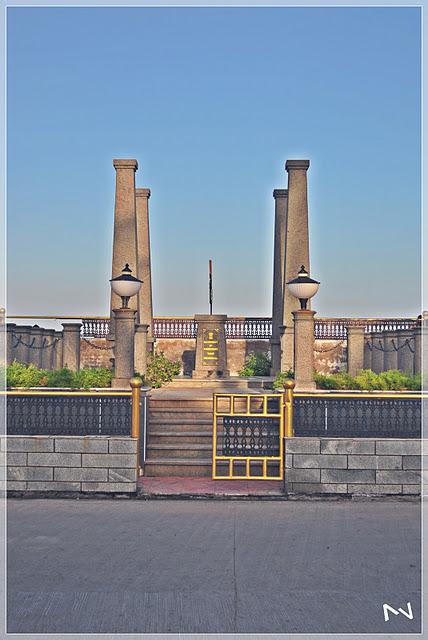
<point x="2" y="337"/>
<point x="390" y="356"/>
<point x="124" y="345"/>
<point x="417" y="333"/>
<point x="405" y="354"/>
<point x="22" y="349"/>
<point x="304" y="342"/>
<point x="140" y="357"/>
<point x="48" y="351"/>
<point x="377" y="353"/>
<point x="368" y="351"/>
<point x="125" y="229"/>
<point x="355" y="350"/>
<point x="36" y="339"/>
<point x="71" y="345"/>
<point x="296" y="250"/>
<point x="57" y="359"/>
<point x="144" y="270"/>
<point x="280" y="196"/>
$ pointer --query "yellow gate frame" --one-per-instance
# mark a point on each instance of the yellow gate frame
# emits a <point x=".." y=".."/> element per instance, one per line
<point x="230" y="397"/>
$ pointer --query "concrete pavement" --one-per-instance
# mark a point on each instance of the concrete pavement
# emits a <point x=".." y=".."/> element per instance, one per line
<point x="129" y="566"/>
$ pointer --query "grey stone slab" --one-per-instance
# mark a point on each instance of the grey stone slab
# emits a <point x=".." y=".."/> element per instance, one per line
<point x="30" y="443"/>
<point x="122" y="445"/>
<point x="398" y="447"/>
<point x="288" y="460"/>
<point x="303" y="475"/>
<point x="88" y="444"/>
<point x="374" y="462"/>
<point x="17" y="459"/>
<point x="374" y="489"/>
<point x="319" y="487"/>
<point x="110" y="487"/>
<point x="16" y="486"/>
<point x="54" y="459"/>
<point x="2" y="443"/>
<point x="411" y="489"/>
<point x="353" y="476"/>
<point x="347" y="445"/>
<point x="398" y="477"/>
<point x="320" y="461"/>
<point x="302" y="445"/>
<point x="30" y="473"/>
<point x="2" y="473"/>
<point x="53" y="486"/>
<point x="2" y="458"/>
<point x="412" y="462"/>
<point x="80" y="474"/>
<point x="109" y="460"/>
<point x="122" y="475"/>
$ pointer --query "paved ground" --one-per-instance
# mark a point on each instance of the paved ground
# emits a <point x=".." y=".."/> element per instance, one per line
<point x="129" y="566"/>
<point x="175" y="486"/>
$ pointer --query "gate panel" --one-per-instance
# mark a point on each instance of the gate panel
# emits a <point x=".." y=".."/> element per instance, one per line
<point x="248" y="433"/>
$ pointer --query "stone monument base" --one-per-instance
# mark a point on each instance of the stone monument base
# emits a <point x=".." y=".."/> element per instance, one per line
<point x="211" y="356"/>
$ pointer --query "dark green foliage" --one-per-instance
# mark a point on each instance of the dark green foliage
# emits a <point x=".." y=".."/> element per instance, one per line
<point x="256" y="364"/>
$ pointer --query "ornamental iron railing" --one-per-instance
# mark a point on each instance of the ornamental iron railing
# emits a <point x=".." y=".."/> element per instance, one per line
<point x="358" y="416"/>
<point x="69" y="413"/>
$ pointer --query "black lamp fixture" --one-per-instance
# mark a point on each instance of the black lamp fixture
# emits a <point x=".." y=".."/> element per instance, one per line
<point x="303" y="287"/>
<point x="126" y="285"/>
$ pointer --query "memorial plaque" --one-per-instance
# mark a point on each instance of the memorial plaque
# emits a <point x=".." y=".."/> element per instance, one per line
<point x="210" y="348"/>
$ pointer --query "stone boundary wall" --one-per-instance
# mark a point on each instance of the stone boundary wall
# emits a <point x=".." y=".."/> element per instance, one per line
<point x="69" y="463"/>
<point x="353" y="466"/>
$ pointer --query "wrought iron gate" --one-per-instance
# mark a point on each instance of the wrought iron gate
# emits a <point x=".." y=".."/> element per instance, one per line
<point x="248" y="432"/>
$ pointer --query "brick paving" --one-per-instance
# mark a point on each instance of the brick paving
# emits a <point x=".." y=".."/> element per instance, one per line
<point x="175" y="486"/>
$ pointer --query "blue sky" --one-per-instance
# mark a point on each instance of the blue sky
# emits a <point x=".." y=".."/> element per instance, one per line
<point x="211" y="102"/>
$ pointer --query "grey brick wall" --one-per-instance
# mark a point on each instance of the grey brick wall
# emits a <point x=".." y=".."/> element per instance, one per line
<point x="61" y="463"/>
<point x="363" y="466"/>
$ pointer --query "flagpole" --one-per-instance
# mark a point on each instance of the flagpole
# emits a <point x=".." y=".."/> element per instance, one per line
<point x="210" y="286"/>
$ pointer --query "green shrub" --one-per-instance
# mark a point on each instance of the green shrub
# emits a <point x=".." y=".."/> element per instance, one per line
<point x="281" y="376"/>
<point x="368" y="380"/>
<point x="160" y="370"/>
<point x="341" y="380"/>
<point x="93" y="378"/>
<point x="61" y="378"/>
<point x="25" y="375"/>
<point x="256" y="364"/>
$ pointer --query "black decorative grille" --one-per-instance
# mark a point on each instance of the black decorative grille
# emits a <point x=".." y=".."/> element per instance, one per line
<point x="358" y="417"/>
<point x="249" y="436"/>
<point x="72" y="415"/>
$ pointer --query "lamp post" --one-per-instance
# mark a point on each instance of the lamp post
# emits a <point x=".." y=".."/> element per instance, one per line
<point x="303" y="287"/>
<point x="125" y="286"/>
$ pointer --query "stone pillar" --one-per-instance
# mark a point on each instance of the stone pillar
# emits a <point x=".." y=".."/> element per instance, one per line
<point x="2" y="337"/>
<point x="36" y="337"/>
<point x="57" y="357"/>
<point x="140" y="357"/>
<point x="355" y="350"/>
<point x="144" y="270"/>
<point x="125" y="229"/>
<point x="280" y="196"/>
<point x="48" y="351"/>
<point x="367" y="351"/>
<point x="124" y="347"/>
<point x="71" y="345"/>
<point x="405" y="354"/>
<point x="417" y="333"/>
<point x="296" y="250"/>
<point x="390" y="356"/>
<point x="304" y="342"/>
<point x="377" y="352"/>
<point x="211" y="354"/>
<point x="10" y="341"/>
<point x="22" y="349"/>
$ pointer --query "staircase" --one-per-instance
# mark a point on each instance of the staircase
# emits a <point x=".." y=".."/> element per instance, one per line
<point x="179" y="437"/>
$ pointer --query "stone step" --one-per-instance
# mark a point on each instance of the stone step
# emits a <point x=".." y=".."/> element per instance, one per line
<point x="180" y="405"/>
<point x="178" y="451"/>
<point x="183" y="437"/>
<point x="182" y="467"/>
<point x="179" y="421"/>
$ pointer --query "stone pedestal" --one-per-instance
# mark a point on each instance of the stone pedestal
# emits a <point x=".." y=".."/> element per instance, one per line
<point x="367" y="351"/>
<point x="390" y="354"/>
<point x="10" y="341"/>
<point x="287" y="348"/>
<point x="140" y="357"/>
<point x="71" y="345"/>
<point x="124" y="345"/>
<point x="280" y="196"/>
<point x="417" y="332"/>
<point x="125" y="229"/>
<point x="57" y="357"/>
<point x="2" y="337"/>
<point x="144" y="271"/>
<point x="48" y="350"/>
<point x="211" y="354"/>
<point x="304" y="341"/>
<point x="36" y="337"/>
<point x="22" y="349"/>
<point x="355" y="350"/>
<point x="377" y="352"/>
<point x="405" y="355"/>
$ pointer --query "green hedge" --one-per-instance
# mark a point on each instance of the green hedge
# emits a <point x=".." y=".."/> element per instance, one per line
<point x="256" y="364"/>
<point x="368" y="380"/>
<point x="28" y="375"/>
